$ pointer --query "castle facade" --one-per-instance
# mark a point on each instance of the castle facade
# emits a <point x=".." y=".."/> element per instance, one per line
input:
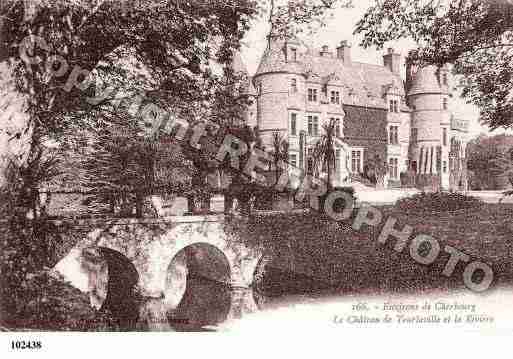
<point x="378" y="116"/>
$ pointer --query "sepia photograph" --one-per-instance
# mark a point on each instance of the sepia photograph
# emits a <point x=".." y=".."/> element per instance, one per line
<point x="254" y="166"/>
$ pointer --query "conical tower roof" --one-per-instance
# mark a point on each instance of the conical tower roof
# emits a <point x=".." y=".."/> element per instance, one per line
<point x="274" y="58"/>
<point x="425" y="81"/>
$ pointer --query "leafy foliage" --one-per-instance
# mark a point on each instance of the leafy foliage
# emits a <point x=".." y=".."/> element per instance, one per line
<point x="324" y="153"/>
<point x="31" y="297"/>
<point x="375" y="170"/>
<point x="437" y="202"/>
<point x="289" y="18"/>
<point x="486" y="159"/>
<point x="476" y="36"/>
<point x="174" y="41"/>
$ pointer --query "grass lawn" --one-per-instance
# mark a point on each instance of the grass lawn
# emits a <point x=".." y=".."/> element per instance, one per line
<point x="314" y="255"/>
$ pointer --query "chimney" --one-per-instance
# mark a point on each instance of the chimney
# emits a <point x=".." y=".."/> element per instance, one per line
<point x="325" y="52"/>
<point x="392" y="61"/>
<point x="344" y="52"/>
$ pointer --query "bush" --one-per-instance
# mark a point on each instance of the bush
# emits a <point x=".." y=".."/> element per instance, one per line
<point x="45" y="302"/>
<point x="438" y="202"/>
<point x="31" y="296"/>
<point x="339" y="204"/>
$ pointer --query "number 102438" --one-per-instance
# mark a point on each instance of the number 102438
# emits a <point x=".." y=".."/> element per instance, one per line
<point x="26" y="345"/>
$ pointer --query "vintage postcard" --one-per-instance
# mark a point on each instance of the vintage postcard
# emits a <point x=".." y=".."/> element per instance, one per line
<point x="254" y="166"/>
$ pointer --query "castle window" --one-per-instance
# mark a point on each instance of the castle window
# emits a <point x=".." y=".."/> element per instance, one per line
<point x="414" y="134"/>
<point x="393" y="135"/>
<point x="312" y="95"/>
<point x="293" y="85"/>
<point x="335" y="97"/>
<point x="313" y="125"/>
<point x="293" y="124"/>
<point x="337" y="128"/>
<point x="444" y="168"/>
<point x="293" y="159"/>
<point x="413" y="166"/>
<point x="338" y="132"/>
<point x="445" y="103"/>
<point x="394" y="106"/>
<point x="444" y="136"/>
<point x="393" y="168"/>
<point x="293" y="54"/>
<point x="444" y="79"/>
<point x="356" y="161"/>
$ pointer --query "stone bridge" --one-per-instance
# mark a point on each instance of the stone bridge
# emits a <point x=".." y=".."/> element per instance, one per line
<point x="157" y="257"/>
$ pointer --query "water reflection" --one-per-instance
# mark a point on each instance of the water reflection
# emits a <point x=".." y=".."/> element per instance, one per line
<point x="205" y="304"/>
<point x="198" y="296"/>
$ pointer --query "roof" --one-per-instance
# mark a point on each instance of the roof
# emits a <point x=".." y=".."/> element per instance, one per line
<point x="425" y="80"/>
<point x="239" y="68"/>
<point x="364" y="84"/>
<point x="274" y="60"/>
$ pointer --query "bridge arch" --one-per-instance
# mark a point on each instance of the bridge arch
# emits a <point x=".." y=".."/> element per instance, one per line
<point x="198" y="285"/>
<point x="153" y="245"/>
<point x="112" y="280"/>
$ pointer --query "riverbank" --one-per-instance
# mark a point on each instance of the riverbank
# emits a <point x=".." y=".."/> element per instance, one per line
<point x="314" y="254"/>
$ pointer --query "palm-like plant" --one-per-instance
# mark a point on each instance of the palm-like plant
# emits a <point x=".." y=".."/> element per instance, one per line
<point x="324" y="153"/>
<point x="280" y="151"/>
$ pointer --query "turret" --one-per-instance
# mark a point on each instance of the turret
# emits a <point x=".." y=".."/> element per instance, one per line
<point x="278" y="81"/>
<point x="428" y="97"/>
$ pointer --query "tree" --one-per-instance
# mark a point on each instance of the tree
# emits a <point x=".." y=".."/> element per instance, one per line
<point x="375" y="170"/>
<point x="486" y="160"/>
<point x="51" y="47"/>
<point x="280" y="154"/>
<point x="174" y="41"/>
<point x="324" y="153"/>
<point x="290" y="18"/>
<point x="476" y="36"/>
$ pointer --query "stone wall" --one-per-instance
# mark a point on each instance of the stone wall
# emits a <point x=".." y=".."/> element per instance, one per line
<point x="366" y="127"/>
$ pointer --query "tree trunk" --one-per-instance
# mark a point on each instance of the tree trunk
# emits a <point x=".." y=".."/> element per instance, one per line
<point x="228" y="203"/>
<point x="139" y="205"/>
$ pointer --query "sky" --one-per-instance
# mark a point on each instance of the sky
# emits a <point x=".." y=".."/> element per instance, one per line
<point x="340" y="27"/>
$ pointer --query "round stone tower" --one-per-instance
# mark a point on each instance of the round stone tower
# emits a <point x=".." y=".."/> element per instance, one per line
<point x="278" y="80"/>
<point x="429" y="99"/>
